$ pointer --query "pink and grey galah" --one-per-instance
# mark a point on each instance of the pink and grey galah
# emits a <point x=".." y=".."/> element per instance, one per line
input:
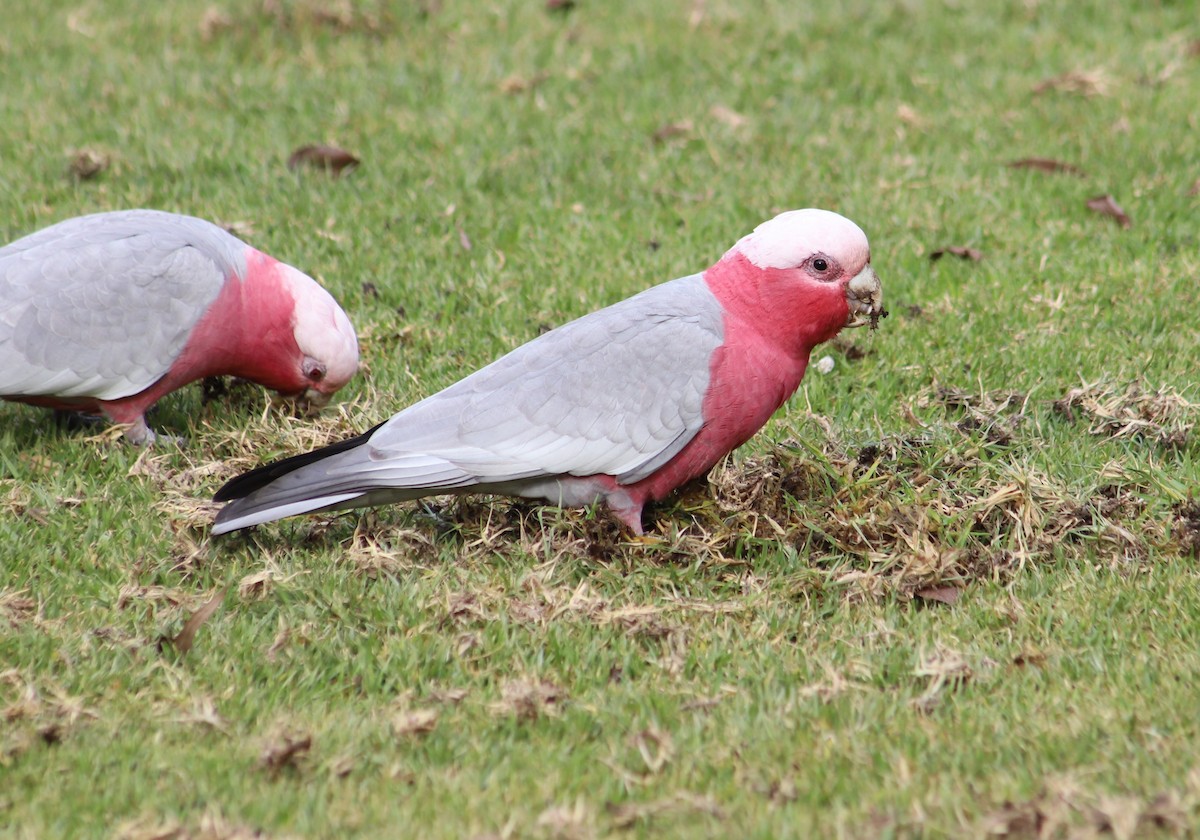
<point x="621" y="406"/>
<point x="107" y="313"/>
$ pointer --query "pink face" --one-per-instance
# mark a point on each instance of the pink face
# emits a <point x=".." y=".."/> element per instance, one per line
<point x="815" y="272"/>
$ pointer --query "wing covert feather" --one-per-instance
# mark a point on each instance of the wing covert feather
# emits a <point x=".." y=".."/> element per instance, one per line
<point x="618" y="392"/>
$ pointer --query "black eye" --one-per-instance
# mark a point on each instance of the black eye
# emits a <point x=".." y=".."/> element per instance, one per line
<point x="820" y="265"/>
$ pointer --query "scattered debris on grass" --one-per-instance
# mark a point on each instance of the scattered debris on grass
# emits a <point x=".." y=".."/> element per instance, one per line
<point x="259" y="584"/>
<point x="529" y="699"/>
<point x="285" y="752"/>
<point x="1065" y="808"/>
<point x="36" y="715"/>
<point x="960" y="251"/>
<point x="994" y="415"/>
<point x="16" y="607"/>
<point x="669" y="131"/>
<point x="1186" y="528"/>
<point x="944" y="670"/>
<point x="186" y="637"/>
<point x="939" y="594"/>
<point x="655" y="748"/>
<point x="629" y="814"/>
<point x="414" y="722"/>
<point x="515" y="84"/>
<point x="1081" y="82"/>
<point x="203" y="712"/>
<point x="1047" y="165"/>
<point x="727" y="116"/>
<point x="332" y="159"/>
<point x="212" y="825"/>
<point x="87" y="163"/>
<point x="1158" y="414"/>
<point x="566" y="822"/>
<point x="1106" y="205"/>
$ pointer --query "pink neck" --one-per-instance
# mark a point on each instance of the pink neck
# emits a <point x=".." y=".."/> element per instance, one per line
<point x="247" y="331"/>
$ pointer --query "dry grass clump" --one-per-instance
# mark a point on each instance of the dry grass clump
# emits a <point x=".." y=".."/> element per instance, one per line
<point x="1160" y="414"/>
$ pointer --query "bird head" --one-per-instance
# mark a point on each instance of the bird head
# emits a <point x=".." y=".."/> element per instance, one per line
<point x="324" y="336"/>
<point x="805" y="274"/>
<point x="820" y="257"/>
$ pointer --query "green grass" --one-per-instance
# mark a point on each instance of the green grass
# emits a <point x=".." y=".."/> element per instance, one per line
<point x="773" y="667"/>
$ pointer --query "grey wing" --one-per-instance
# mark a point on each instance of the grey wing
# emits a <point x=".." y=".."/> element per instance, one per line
<point x="102" y="305"/>
<point x="618" y="392"/>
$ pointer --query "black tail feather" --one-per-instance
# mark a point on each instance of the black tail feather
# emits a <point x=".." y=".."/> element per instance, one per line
<point x="246" y="483"/>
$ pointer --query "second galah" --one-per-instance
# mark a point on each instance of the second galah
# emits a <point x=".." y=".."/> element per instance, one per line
<point x="621" y="406"/>
<point x="109" y="312"/>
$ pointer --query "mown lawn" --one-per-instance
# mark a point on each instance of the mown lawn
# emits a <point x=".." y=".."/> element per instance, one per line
<point x="950" y="590"/>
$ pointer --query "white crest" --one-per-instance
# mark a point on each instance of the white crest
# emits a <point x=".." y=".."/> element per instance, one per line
<point x="792" y="237"/>
<point x="322" y="330"/>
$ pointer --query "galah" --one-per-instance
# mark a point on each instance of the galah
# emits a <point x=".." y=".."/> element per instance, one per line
<point x="106" y="313"/>
<point x="622" y="406"/>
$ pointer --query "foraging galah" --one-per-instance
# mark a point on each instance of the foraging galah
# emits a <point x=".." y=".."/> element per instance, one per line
<point x="620" y="406"/>
<point x="109" y="312"/>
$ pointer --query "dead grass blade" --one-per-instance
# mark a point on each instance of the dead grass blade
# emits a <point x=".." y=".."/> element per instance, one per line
<point x="183" y="641"/>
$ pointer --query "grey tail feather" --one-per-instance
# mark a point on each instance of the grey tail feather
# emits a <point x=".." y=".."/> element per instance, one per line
<point x="246" y="483"/>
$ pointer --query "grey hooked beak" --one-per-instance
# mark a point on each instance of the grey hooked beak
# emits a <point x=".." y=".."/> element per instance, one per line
<point x="308" y="402"/>
<point x="864" y="294"/>
<point x="313" y="401"/>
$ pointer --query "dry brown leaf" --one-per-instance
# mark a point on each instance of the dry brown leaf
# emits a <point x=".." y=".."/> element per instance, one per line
<point x="414" y="722"/>
<point x="668" y="130"/>
<point x="213" y="22"/>
<point x="560" y="5"/>
<point x="319" y="156"/>
<point x="908" y="115"/>
<point x="1193" y="49"/>
<point x="1084" y="83"/>
<point x="88" y="163"/>
<point x="286" y="752"/>
<point x="529" y="699"/>
<point x="519" y="84"/>
<point x="628" y="814"/>
<point x="972" y="254"/>
<point x="565" y="822"/>
<point x="730" y="117"/>
<point x="1195" y="190"/>
<point x="16" y="607"/>
<point x="1046" y="165"/>
<point x="149" y="828"/>
<point x="1106" y="205"/>
<point x="939" y="594"/>
<point x="187" y="636"/>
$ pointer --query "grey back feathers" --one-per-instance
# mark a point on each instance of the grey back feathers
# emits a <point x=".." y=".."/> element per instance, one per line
<point x="100" y="306"/>
<point x="600" y="395"/>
